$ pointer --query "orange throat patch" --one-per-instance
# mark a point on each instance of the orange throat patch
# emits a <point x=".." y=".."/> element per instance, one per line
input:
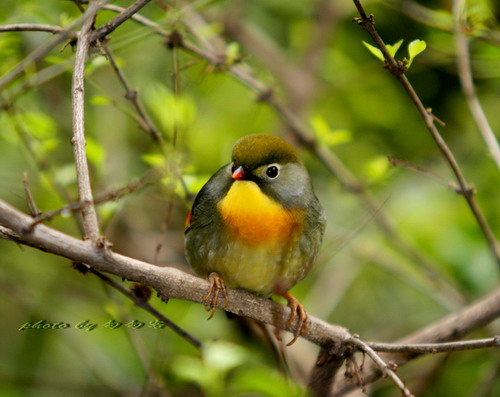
<point x="254" y="218"/>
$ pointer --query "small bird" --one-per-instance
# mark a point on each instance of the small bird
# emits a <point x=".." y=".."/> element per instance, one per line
<point x="256" y="224"/>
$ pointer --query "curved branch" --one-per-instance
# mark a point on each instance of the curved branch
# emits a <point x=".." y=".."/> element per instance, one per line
<point x="169" y="282"/>
<point x="173" y="283"/>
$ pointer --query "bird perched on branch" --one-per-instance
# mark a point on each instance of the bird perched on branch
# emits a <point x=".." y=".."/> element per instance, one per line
<point x="256" y="225"/>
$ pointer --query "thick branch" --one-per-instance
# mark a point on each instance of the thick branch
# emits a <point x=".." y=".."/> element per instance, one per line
<point x="173" y="283"/>
<point x="450" y="328"/>
<point x="89" y="215"/>
<point x="169" y="282"/>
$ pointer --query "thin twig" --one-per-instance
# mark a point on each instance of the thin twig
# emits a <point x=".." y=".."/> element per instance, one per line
<point x="465" y="75"/>
<point x="443" y="21"/>
<point x="242" y="73"/>
<point x="111" y="25"/>
<point x="31" y="27"/>
<point x="450" y="328"/>
<point x="143" y="304"/>
<point x="41" y="51"/>
<point x="149" y="178"/>
<point x="387" y="370"/>
<point x="89" y="214"/>
<point x="29" y="197"/>
<point x="396" y="162"/>
<point x="397" y="69"/>
<point x="133" y="96"/>
<point x="432" y="348"/>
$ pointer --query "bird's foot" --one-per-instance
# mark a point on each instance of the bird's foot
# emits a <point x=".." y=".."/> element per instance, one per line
<point x="217" y="287"/>
<point x="297" y="309"/>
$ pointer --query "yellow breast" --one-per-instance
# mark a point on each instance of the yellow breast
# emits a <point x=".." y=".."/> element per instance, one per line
<point x="255" y="218"/>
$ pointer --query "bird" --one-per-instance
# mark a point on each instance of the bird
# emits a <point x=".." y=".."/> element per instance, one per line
<point x="256" y="225"/>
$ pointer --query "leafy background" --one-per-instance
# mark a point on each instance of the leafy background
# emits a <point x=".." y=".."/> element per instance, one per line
<point x="356" y="108"/>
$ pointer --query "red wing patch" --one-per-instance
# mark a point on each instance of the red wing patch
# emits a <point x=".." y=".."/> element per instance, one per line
<point x="188" y="220"/>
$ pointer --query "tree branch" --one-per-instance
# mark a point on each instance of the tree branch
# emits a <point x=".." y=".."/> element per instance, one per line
<point x="89" y="215"/>
<point x="41" y="51"/>
<point x="31" y="27"/>
<point x="433" y="348"/>
<point x="453" y="327"/>
<point x="397" y="69"/>
<point x="386" y="369"/>
<point x="169" y="282"/>
<point x="111" y="25"/>
<point x="173" y="283"/>
<point x="465" y="75"/>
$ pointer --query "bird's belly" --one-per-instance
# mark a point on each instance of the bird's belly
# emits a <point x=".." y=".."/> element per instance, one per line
<point x="262" y="269"/>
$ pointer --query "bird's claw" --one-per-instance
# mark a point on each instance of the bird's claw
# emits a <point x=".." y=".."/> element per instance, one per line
<point x="296" y="308"/>
<point x="216" y="287"/>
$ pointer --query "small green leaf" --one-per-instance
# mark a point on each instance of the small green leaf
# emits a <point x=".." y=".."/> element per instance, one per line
<point x="48" y="146"/>
<point x="154" y="159"/>
<point x="194" y="183"/>
<point x="65" y="174"/>
<point x="377" y="168"/>
<point x="415" y="48"/>
<point x="39" y="125"/>
<point x="374" y="50"/>
<point x="173" y="111"/>
<point x="326" y="134"/>
<point x="393" y="49"/>
<point x="95" y="152"/>
<point x="100" y="100"/>
<point x="232" y="53"/>
<point x="223" y="356"/>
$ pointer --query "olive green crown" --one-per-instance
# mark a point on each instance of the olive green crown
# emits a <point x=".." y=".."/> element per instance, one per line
<point x="255" y="150"/>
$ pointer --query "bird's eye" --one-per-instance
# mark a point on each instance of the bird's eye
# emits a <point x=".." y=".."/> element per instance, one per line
<point x="272" y="171"/>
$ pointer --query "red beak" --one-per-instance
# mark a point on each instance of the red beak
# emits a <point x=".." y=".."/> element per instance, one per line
<point x="239" y="173"/>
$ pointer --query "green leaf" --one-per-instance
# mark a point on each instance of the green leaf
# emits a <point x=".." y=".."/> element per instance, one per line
<point x="393" y="49"/>
<point x="173" y="111"/>
<point x="375" y="51"/>
<point x="223" y="356"/>
<point x="377" y="168"/>
<point x="414" y="48"/>
<point x="65" y="174"/>
<point x="154" y="159"/>
<point x="39" y="125"/>
<point x="100" y="100"/>
<point x="48" y="146"/>
<point x="232" y="53"/>
<point x="95" y="152"/>
<point x="326" y="134"/>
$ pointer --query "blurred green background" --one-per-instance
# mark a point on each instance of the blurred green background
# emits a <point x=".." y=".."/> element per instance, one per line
<point x="311" y="54"/>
